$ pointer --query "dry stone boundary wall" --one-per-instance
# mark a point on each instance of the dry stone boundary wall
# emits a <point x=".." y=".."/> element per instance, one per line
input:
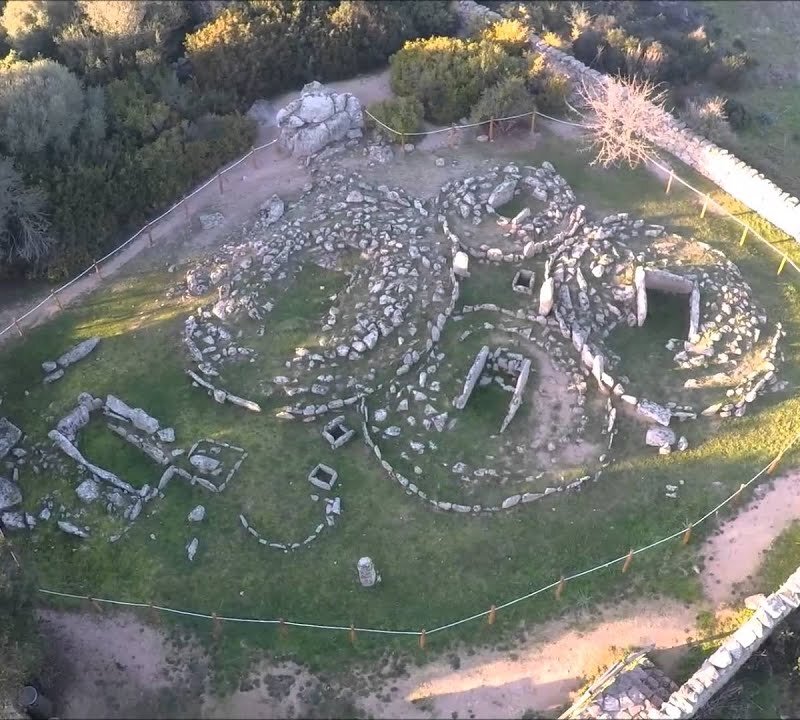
<point x="735" y="177"/>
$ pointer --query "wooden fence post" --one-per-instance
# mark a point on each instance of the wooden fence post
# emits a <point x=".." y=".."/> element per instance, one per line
<point x="782" y="265"/>
<point x="95" y="604"/>
<point x="705" y="207"/>
<point x="669" y="181"/>
<point x="533" y="121"/>
<point x="492" y="615"/>
<point x="221" y="189"/>
<point x="744" y="235"/>
<point x="255" y="158"/>
<point x="186" y="208"/>
<point x="560" y="588"/>
<point x="150" y="237"/>
<point x="628" y="561"/>
<point x="687" y="535"/>
<point x="491" y="129"/>
<point x="422" y="640"/>
<point x="217" y="629"/>
<point x="97" y="269"/>
<point x="19" y="329"/>
<point x="352" y="634"/>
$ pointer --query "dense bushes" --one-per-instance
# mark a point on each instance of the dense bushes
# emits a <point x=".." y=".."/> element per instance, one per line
<point x="110" y="110"/>
<point x="403" y="114"/>
<point x="453" y="77"/>
<point x="661" y="42"/>
<point x="264" y="48"/>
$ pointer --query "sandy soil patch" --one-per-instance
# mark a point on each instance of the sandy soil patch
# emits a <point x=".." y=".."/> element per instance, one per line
<point x="734" y="554"/>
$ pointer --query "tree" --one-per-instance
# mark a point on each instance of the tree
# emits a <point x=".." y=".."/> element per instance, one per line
<point x="31" y="25"/>
<point x="622" y="117"/>
<point x="23" y="225"/>
<point x="403" y="114"/>
<point x="448" y="75"/>
<point x="506" y="98"/>
<point x="41" y="103"/>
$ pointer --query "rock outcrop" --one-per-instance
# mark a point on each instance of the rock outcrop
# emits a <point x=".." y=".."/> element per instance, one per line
<point x="317" y="118"/>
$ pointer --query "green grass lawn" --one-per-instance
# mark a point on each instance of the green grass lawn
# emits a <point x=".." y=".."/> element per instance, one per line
<point x="436" y="567"/>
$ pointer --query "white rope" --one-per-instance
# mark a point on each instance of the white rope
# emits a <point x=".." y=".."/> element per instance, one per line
<point x="451" y="127"/>
<point x="137" y="234"/>
<point x="448" y="626"/>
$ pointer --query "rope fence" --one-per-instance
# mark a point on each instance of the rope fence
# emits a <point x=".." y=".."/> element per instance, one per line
<point x="146" y="228"/>
<point x="96" y="266"/>
<point x="557" y="585"/>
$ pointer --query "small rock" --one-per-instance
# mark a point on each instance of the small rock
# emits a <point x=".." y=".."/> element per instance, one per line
<point x="72" y="529"/>
<point x="191" y="549"/>
<point x="197" y="514"/>
<point x="88" y="491"/>
<point x="204" y="463"/>
<point x="166" y="435"/>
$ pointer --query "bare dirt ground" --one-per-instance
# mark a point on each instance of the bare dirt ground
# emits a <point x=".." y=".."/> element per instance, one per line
<point x="116" y="666"/>
<point x="733" y="555"/>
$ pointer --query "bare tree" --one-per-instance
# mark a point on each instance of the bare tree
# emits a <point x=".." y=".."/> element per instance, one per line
<point x="622" y="116"/>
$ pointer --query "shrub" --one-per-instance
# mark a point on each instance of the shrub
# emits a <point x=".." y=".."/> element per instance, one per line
<point x="41" y="103"/>
<point x="548" y="86"/>
<point x="738" y="115"/>
<point x="31" y="25"/>
<point x="505" y="98"/>
<point x="511" y="35"/>
<point x="23" y="225"/>
<point x="403" y="114"/>
<point x="728" y="72"/>
<point x="448" y="75"/>
<point x="708" y="117"/>
<point x="429" y="17"/>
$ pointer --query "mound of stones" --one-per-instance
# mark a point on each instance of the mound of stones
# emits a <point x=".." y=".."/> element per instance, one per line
<point x="318" y="118"/>
<point x="403" y="290"/>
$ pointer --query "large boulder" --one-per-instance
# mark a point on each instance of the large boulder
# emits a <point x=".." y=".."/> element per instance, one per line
<point x="10" y="435"/>
<point x="10" y="494"/>
<point x="503" y="193"/>
<point x="140" y="419"/>
<point x="80" y="351"/>
<point x="317" y="118"/>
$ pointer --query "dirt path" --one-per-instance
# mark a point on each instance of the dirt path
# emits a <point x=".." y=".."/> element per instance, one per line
<point x="735" y="553"/>
<point x="245" y="188"/>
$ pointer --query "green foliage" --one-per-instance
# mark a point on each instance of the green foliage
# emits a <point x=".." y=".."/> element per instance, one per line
<point x="403" y="113"/>
<point x="94" y="200"/>
<point x="23" y="226"/>
<point x="505" y="98"/>
<point x="265" y="48"/>
<point x="448" y="75"/>
<point x="31" y="25"/>
<point x="41" y="103"/>
<point x="662" y="43"/>
<point x="548" y="86"/>
<point x="728" y="72"/>
<point x="511" y="35"/>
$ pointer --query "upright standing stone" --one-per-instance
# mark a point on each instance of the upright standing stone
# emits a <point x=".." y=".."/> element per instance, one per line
<point x="641" y="295"/>
<point x="367" y="575"/>
<point x="546" y="293"/>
